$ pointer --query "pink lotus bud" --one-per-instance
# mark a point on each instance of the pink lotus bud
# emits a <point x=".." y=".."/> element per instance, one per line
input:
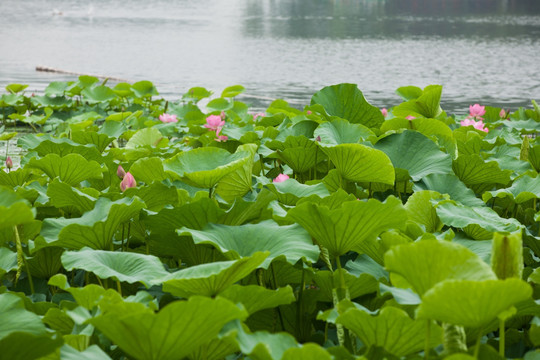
<point x="410" y="117"/>
<point x="214" y="123"/>
<point x="256" y="116"/>
<point x="503" y="114"/>
<point x="9" y="163"/>
<point x="308" y="112"/>
<point x="128" y="182"/>
<point x="120" y="172"/>
<point x="318" y="138"/>
<point x="168" y="118"/>
<point x="281" y="178"/>
<point x="222" y="138"/>
<point x="384" y="112"/>
<point x="222" y="115"/>
<point x="476" y="110"/>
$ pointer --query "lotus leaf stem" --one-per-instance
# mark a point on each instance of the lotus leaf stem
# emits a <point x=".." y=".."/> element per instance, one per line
<point x="21" y="260"/>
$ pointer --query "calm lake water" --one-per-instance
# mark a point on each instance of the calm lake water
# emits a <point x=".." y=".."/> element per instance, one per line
<point x="485" y="51"/>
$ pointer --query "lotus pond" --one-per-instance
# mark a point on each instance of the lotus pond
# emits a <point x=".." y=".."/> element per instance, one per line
<point x="132" y="227"/>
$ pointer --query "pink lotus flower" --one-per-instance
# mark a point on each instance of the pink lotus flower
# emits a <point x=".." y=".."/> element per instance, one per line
<point x="281" y="178"/>
<point x="256" y="116"/>
<point x="308" y="112"/>
<point x="479" y="125"/>
<point x="503" y="114"/>
<point x="476" y="111"/>
<point x="384" y="112"/>
<point x="168" y="118"/>
<point x="9" y="163"/>
<point x="410" y="117"/>
<point x="214" y="123"/>
<point x="127" y="182"/>
<point x="120" y="172"/>
<point x="222" y="138"/>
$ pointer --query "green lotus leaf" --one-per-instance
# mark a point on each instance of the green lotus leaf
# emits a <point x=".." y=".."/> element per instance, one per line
<point x="217" y="348"/>
<point x="232" y="91"/>
<point x="256" y="298"/>
<point x="205" y="167"/>
<point x="58" y="320"/>
<point x="475" y="172"/>
<point x="55" y="103"/>
<point x="147" y="137"/>
<point x="211" y="279"/>
<point x="93" y="352"/>
<point x="15" y="178"/>
<point x="46" y="144"/>
<point x="421" y="211"/>
<point x="4" y="136"/>
<point x="173" y="333"/>
<point x="426" y="105"/>
<point x="291" y="241"/>
<point x="14" y="210"/>
<point x="123" y="89"/>
<point x="424" y="264"/>
<point x="243" y="211"/>
<point x="237" y="183"/>
<point x="16" y="319"/>
<point x="121" y="266"/>
<point x="360" y="163"/>
<point x="64" y="195"/>
<point x="347" y="102"/>
<point x="308" y="351"/>
<point x="98" y="94"/>
<point x="401" y="296"/>
<point x="484" y="218"/>
<point x="101" y="141"/>
<point x="392" y="329"/>
<point x="523" y="189"/>
<point x="364" y="264"/>
<point x="409" y="92"/>
<point x="8" y="261"/>
<point x="156" y="196"/>
<point x="28" y="346"/>
<point x="94" y="229"/>
<point x="262" y="345"/>
<point x="45" y="262"/>
<point x="340" y="131"/>
<point x="507" y="255"/>
<point x="415" y="153"/>
<point x="451" y="185"/>
<point x="148" y="170"/>
<point x="290" y="191"/>
<point x="15" y="88"/>
<point x="348" y="227"/>
<point x="144" y="89"/>
<point x="357" y="286"/>
<point x="71" y="169"/>
<point x="472" y="303"/>
<point x="298" y="152"/>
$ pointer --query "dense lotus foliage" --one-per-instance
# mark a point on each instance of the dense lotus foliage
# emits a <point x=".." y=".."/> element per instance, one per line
<point x="132" y="227"/>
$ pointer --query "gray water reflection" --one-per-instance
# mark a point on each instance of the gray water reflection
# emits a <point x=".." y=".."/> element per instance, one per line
<point x="479" y="50"/>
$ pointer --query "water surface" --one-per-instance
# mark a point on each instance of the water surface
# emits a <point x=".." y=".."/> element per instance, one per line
<point x="483" y="51"/>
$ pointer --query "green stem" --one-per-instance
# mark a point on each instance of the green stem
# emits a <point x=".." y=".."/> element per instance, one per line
<point x="426" y="342"/>
<point x="119" y="287"/>
<point x="299" y="306"/>
<point x="274" y="278"/>
<point x="128" y="235"/>
<point x="21" y="259"/>
<point x="477" y="347"/>
<point x="315" y="172"/>
<point x="210" y="192"/>
<point x="501" y="338"/>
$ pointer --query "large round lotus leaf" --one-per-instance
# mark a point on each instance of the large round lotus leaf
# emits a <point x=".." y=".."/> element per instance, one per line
<point x="98" y="94"/>
<point x="71" y="169"/>
<point x="13" y="209"/>
<point x="523" y="189"/>
<point x="472" y="303"/>
<point x="357" y="286"/>
<point x="421" y="211"/>
<point x="309" y="351"/>
<point x="47" y="144"/>
<point x="173" y="333"/>
<point x="360" y="163"/>
<point x="27" y="346"/>
<point x="392" y="329"/>
<point x="255" y="298"/>
<point x="347" y="102"/>
<point x="290" y="191"/>
<point x="423" y="264"/>
<point x="237" y="183"/>
<point x="121" y="266"/>
<point x="473" y="170"/>
<point x="340" y="131"/>
<point x="348" y="226"/>
<point x="451" y="185"/>
<point x="415" y="153"/>
<point x="291" y="241"/>
<point x="149" y="137"/>
<point x="212" y="278"/>
<point x="205" y="167"/>
<point x="426" y="104"/>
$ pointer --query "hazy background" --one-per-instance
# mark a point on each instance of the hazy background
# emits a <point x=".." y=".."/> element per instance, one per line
<point x="485" y="51"/>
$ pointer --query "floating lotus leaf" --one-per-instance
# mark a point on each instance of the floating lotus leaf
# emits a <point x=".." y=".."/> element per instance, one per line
<point x="472" y="303"/>
<point x="205" y="167"/>
<point x="71" y="169"/>
<point x="291" y="241"/>
<point x="360" y="163"/>
<point x="484" y="218"/>
<point x="94" y="229"/>
<point x="347" y="102"/>
<point x="173" y="333"/>
<point x="451" y="185"/>
<point x="523" y="189"/>
<point x="392" y="329"/>
<point x="256" y="298"/>
<point x="211" y="279"/>
<point x="424" y="264"/>
<point x="121" y="266"/>
<point x="348" y="227"/>
<point x="340" y="131"/>
<point x="415" y="153"/>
